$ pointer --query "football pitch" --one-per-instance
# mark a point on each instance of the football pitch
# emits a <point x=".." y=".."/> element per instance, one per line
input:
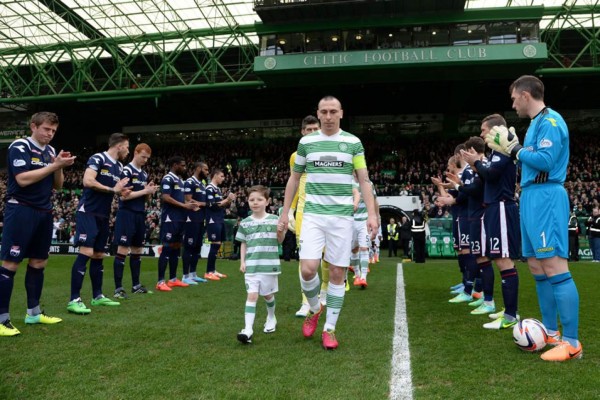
<point x="182" y="344"/>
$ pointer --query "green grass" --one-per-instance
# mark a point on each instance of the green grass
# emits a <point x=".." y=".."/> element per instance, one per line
<point x="453" y="357"/>
<point x="182" y="344"/>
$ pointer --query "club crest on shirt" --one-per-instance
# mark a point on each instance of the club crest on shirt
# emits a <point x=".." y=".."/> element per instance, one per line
<point x="15" y="251"/>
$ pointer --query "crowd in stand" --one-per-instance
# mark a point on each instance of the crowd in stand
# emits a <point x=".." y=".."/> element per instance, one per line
<point x="396" y="167"/>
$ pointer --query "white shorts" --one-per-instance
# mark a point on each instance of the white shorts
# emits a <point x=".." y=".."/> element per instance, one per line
<point x="262" y="284"/>
<point x="329" y="232"/>
<point x="360" y="236"/>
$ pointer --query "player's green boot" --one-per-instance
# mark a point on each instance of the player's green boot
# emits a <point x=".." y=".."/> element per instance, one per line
<point x="461" y="298"/>
<point x="500" y="323"/>
<point x="104" y="301"/>
<point x="8" y="329"/>
<point x="77" y="307"/>
<point x="477" y="303"/>
<point x="41" y="319"/>
<point x="484" y="309"/>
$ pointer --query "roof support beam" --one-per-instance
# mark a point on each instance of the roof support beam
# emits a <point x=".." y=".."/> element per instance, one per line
<point x="73" y="19"/>
<point x="69" y="72"/>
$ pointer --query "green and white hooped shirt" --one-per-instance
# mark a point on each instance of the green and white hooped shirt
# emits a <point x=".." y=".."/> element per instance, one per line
<point x="262" y="247"/>
<point x="329" y="162"/>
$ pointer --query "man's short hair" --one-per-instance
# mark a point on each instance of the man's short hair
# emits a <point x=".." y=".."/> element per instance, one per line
<point x="330" y="98"/>
<point x="117" y="138"/>
<point x="494" y="120"/>
<point x="530" y="84"/>
<point x="476" y="143"/>
<point x="174" y="160"/>
<point x="44" y="116"/>
<point x="143" y="147"/>
<point x="215" y="171"/>
<point x="460" y="147"/>
<point x="309" y="120"/>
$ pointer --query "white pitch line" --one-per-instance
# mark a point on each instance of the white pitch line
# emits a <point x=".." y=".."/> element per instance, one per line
<point x="401" y="381"/>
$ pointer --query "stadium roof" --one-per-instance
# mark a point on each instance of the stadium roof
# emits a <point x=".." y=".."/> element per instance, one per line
<point x="39" y="23"/>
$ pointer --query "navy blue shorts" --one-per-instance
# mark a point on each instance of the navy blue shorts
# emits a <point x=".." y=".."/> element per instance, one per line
<point x="463" y="233"/>
<point x="502" y="235"/>
<point x="27" y="233"/>
<point x="476" y="229"/>
<point x="455" y="235"/>
<point x="215" y="232"/>
<point x="130" y="228"/>
<point x="171" y="231"/>
<point x="91" y="231"/>
<point x="193" y="233"/>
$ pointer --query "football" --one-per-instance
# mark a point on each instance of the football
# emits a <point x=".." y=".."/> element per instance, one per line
<point x="530" y="335"/>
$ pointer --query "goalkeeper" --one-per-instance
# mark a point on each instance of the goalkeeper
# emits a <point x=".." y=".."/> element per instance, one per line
<point x="544" y="207"/>
<point x="310" y="124"/>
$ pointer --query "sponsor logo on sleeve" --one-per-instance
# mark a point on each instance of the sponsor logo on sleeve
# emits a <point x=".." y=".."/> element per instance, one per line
<point x="19" y="163"/>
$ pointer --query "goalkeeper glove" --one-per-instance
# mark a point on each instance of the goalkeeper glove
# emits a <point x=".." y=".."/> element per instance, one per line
<point x="291" y="220"/>
<point x="504" y="140"/>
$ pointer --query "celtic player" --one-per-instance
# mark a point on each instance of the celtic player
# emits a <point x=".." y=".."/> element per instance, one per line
<point x="329" y="158"/>
<point x="360" y="236"/>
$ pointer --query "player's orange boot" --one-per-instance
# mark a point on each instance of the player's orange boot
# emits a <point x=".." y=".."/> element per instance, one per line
<point x="162" y="287"/>
<point x="356" y="281"/>
<point x="220" y="275"/>
<point x="563" y="352"/>
<point x="211" y="276"/>
<point x="176" y="283"/>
